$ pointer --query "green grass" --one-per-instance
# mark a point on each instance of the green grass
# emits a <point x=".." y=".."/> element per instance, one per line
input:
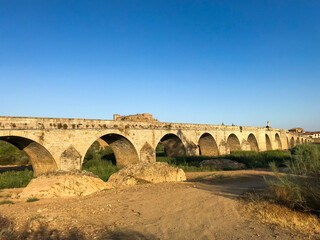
<point x="33" y="199"/>
<point x="249" y="158"/>
<point x="15" y="179"/>
<point x="260" y="159"/>
<point x="100" y="161"/>
<point x="6" y="202"/>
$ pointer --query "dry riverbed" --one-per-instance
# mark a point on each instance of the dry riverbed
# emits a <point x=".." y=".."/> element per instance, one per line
<point x="205" y="207"/>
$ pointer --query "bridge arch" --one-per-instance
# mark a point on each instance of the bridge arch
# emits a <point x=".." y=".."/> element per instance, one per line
<point x="268" y="143"/>
<point x="233" y="142"/>
<point x="124" y="151"/>
<point x="253" y="142"/>
<point x="208" y="145"/>
<point x="173" y="145"/>
<point x="278" y="141"/>
<point x="40" y="158"/>
<point x="292" y="143"/>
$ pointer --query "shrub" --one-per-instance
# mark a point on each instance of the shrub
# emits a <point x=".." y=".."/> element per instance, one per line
<point x="16" y="179"/>
<point x="300" y="188"/>
<point x="100" y="167"/>
<point x="11" y="155"/>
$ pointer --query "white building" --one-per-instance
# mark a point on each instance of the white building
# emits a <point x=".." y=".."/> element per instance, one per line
<point x="312" y="134"/>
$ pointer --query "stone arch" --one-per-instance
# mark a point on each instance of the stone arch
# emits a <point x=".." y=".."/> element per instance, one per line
<point x="268" y="143"/>
<point x="124" y="151"/>
<point x="173" y="146"/>
<point x="208" y="145"/>
<point x="40" y="158"/>
<point x="147" y="153"/>
<point x="278" y="141"/>
<point x="233" y="142"/>
<point x="253" y="143"/>
<point x="292" y="142"/>
<point x="298" y="141"/>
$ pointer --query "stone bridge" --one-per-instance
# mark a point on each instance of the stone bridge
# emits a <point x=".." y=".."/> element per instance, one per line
<point x="58" y="143"/>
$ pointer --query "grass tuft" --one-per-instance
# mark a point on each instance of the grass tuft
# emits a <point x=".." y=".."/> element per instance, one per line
<point x="33" y="199"/>
<point x="6" y="202"/>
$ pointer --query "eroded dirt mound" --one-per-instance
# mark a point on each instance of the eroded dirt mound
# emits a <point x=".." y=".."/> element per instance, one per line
<point x="63" y="184"/>
<point x="223" y="164"/>
<point x="146" y="172"/>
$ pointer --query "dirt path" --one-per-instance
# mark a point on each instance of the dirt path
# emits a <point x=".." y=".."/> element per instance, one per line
<point x="203" y="208"/>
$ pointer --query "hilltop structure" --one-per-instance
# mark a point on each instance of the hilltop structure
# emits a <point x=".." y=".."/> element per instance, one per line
<point x="144" y="117"/>
<point x="296" y="130"/>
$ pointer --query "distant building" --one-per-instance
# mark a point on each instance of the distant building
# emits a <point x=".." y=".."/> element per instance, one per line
<point x="314" y="135"/>
<point x="144" y="117"/>
<point x="296" y="130"/>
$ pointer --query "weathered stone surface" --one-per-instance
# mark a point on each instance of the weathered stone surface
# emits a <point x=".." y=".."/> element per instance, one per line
<point x="146" y="172"/>
<point x="223" y="164"/>
<point x="63" y="184"/>
<point x="54" y="144"/>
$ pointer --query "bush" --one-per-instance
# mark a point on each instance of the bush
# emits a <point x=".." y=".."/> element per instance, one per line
<point x="11" y="155"/>
<point x="17" y="179"/>
<point x="300" y="188"/>
<point x="100" y="167"/>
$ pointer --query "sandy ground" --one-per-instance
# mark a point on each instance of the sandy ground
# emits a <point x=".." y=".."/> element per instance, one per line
<point x="205" y="207"/>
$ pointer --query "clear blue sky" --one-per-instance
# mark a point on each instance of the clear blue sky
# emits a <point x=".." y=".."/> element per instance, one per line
<point x="241" y="62"/>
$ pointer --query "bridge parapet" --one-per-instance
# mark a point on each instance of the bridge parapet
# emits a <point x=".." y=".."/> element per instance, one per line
<point x="33" y="123"/>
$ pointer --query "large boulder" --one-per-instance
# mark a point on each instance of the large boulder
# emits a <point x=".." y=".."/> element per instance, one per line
<point x="63" y="184"/>
<point x="223" y="164"/>
<point x="155" y="172"/>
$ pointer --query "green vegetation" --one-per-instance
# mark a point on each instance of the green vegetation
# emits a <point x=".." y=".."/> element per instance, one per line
<point x="249" y="158"/>
<point x="33" y="199"/>
<point x="11" y="155"/>
<point x="187" y="163"/>
<point x="6" y="202"/>
<point x="100" y="161"/>
<point x="16" y="179"/>
<point x="260" y="159"/>
<point x="300" y="188"/>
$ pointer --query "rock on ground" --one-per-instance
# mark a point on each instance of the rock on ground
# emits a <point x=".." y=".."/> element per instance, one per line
<point x="155" y="172"/>
<point x="63" y="184"/>
<point x="223" y="164"/>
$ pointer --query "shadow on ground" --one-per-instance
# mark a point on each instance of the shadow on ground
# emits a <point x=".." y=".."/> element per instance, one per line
<point x="44" y="232"/>
<point x="231" y="186"/>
